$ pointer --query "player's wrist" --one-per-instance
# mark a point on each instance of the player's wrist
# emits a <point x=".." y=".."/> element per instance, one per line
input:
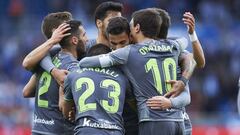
<point x="53" y="71"/>
<point x="51" y="42"/>
<point x="184" y="80"/>
<point x="193" y="37"/>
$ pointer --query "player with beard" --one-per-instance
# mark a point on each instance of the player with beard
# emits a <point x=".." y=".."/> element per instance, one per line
<point x="103" y="13"/>
<point x="35" y="57"/>
<point x="48" y="118"/>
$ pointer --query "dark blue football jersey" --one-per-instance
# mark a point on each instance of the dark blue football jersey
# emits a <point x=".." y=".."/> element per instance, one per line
<point x="48" y="119"/>
<point x="99" y="95"/>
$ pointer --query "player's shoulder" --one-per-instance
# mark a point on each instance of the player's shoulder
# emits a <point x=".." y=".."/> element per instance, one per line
<point x="181" y="41"/>
<point x="66" y="57"/>
<point x="54" y="50"/>
<point x="178" y="42"/>
<point x="67" y="61"/>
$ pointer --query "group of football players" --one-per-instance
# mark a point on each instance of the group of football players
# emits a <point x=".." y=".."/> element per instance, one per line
<point x="132" y="79"/>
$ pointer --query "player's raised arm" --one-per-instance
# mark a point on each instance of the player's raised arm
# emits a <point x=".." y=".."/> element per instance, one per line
<point x="117" y="57"/>
<point x="187" y="64"/>
<point x="34" y="57"/>
<point x="30" y="87"/>
<point x="198" y="53"/>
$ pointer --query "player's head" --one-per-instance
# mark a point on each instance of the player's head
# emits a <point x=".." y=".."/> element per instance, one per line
<point x="52" y="21"/>
<point x="145" y="23"/>
<point x="118" y="32"/>
<point x="166" y="22"/>
<point x="77" y="39"/>
<point x="98" y="49"/>
<point x="104" y="12"/>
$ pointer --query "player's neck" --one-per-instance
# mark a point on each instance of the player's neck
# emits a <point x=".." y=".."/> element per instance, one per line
<point x="142" y="38"/>
<point x="102" y="39"/>
<point x="70" y="51"/>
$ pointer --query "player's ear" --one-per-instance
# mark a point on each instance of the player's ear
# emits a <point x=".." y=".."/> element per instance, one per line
<point x="137" y="28"/>
<point x="74" y="40"/>
<point x="99" y="23"/>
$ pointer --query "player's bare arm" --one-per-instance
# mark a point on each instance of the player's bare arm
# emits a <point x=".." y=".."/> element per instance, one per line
<point x="187" y="64"/>
<point x="198" y="53"/>
<point x="34" y="57"/>
<point x="29" y="88"/>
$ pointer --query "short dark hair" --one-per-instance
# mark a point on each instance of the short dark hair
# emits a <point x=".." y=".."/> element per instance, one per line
<point x="166" y="22"/>
<point x="74" y="25"/>
<point x="118" y="25"/>
<point x="149" y="21"/>
<point x="103" y="8"/>
<point x="98" y="49"/>
<point x="52" y="21"/>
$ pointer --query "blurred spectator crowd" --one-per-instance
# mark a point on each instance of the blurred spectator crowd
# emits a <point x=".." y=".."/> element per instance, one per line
<point x="213" y="89"/>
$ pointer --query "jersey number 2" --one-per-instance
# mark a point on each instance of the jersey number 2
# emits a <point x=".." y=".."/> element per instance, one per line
<point x="46" y="80"/>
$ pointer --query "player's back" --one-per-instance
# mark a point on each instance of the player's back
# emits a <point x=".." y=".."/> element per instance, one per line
<point x="48" y="119"/>
<point x="99" y="95"/>
<point x="149" y="66"/>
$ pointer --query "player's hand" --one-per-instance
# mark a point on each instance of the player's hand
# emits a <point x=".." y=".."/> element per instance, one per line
<point x="59" y="75"/>
<point x="177" y="87"/>
<point x="71" y="115"/>
<point x="189" y="20"/>
<point x="59" y="33"/>
<point x="159" y="102"/>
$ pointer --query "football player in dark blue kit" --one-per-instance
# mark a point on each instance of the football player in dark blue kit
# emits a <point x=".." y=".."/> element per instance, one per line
<point x="48" y="118"/>
<point x="98" y="95"/>
<point x="198" y="56"/>
<point x="118" y="33"/>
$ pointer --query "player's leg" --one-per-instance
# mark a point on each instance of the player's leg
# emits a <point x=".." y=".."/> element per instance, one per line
<point x="161" y="128"/>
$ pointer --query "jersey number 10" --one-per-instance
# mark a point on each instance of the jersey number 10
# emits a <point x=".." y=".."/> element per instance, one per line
<point x="152" y="65"/>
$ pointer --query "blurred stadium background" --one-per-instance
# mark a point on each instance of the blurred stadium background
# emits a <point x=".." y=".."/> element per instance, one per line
<point x="213" y="109"/>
